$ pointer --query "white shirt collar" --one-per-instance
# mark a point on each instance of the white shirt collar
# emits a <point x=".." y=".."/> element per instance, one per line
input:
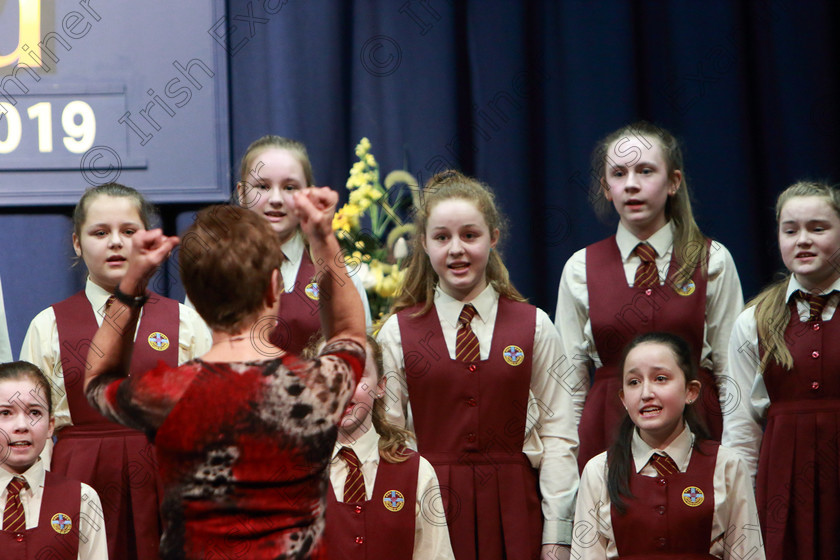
<point x="794" y="286"/>
<point x="366" y="447"/>
<point x="34" y="476"/>
<point x="449" y="308"/>
<point x="661" y="241"/>
<point x="293" y="248"/>
<point x="97" y="296"/>
<point x="679" y="450"/>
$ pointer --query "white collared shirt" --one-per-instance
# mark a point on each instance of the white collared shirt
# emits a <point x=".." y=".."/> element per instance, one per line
<point x="743" y="426"/>
<point x="735" y="529"/>
<point x="92" y="542"/>
<point x="724" y="301"/>
<point x="431" y="534"/>
<point x="552" y="446"/>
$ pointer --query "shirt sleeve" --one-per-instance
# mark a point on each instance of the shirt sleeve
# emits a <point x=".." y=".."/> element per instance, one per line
<point x="572" y="321"/>
<point x="357" y="282"/>
<point x="92" y="542"/>
<point x="592" y="531"/>
<point x="431" y="534"/>
<point x="724" y="301"/>
<point x="744" y="392"/>
<point x="396" y="387"/>
<point x="738" y="514"/>
<point x="194" y="338"/>
<point x="40" y="347"/>
<point x="557" y="429"/>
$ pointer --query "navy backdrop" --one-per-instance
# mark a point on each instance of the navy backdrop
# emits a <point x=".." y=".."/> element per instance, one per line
<point x="515" y="93"/>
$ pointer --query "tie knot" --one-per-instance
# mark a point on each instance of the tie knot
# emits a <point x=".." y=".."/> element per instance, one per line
<point x="646" y="253"/>
<point x="350" y="456"/>
<point x="663" y="464"/>
<point x="816" y="303"/>
<point x="17" y="484"/>
<point x="467" y="314"/>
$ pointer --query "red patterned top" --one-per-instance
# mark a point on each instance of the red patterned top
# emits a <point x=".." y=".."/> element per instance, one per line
<point x="243" y="448"/>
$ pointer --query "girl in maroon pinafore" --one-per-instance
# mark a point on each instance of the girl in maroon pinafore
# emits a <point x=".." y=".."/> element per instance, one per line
<point x="45" y="514"/>
<point x="785" y="358"/>
<point x="659" y="272"/>
<point x="663" y="490"/>
<point x="474" y="370"/>
<point x="119" y="463"/>
<point x="397" y="515"/>
<point x="271" y="171"/>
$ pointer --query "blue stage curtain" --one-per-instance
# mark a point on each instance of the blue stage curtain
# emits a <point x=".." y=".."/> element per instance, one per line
<point x="517" y="93"/>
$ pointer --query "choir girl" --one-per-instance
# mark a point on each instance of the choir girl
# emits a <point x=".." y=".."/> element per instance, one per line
<point x="243" y="440"/>
<point x="472" y="370"/>
<point x="384" y="498"/>
<point x="45" y="515"/>
<point x="271" y="171"/>
<point x="663" y="490"/>
<point x="784" y="359"/>
<point x="119" y="463"/>
<point x="658" y="272"/>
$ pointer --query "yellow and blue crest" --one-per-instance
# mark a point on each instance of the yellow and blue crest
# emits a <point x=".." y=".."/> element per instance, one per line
<point x="513" y="355"/>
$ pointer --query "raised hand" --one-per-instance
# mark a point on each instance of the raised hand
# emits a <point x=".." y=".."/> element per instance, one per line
<point x="315" y="207"/>
<point x="148" y="250"/>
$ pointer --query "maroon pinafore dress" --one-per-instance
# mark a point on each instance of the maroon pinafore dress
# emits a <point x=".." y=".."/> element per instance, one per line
<point x="798" y="483"/>
<point x="382" y="527"/>
<point x="470" y="424"/>
<point x="57" y="535"/>
<point x="618" y="313"/>
<point x="670" y="517"/>
<point x="118" y="462"/>
<point x="299" y="321"/>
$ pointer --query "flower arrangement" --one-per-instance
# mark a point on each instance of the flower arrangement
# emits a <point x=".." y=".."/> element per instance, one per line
<point x="370" y="229"/>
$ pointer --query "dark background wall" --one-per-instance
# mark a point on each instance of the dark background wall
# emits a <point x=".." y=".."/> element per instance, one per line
<point x="516" y="93"/>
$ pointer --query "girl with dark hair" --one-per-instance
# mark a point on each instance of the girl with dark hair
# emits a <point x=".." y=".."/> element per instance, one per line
<point x="663" y="490"/>
<point x="45" y="514"/>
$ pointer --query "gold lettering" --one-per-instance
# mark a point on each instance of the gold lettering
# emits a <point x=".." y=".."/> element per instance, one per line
<point x="30" y="33"/>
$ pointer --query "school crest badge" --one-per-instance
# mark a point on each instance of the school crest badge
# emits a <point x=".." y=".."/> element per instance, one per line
<point x="693" y="496"/>
<point x="158" y="341"/>
<point x="393" y="500"/>
<point x="312" y="291"/>
<point x="686" y="289"/>
<point x="513" y="355"/>
<point x="61" y="523"/>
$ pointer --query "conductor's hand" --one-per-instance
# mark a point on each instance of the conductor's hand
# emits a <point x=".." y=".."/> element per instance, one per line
<point x="315" y="207"/>
<point x="148" y="250"/>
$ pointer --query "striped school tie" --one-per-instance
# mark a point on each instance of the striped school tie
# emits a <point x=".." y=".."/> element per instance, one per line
<point x="466" y="343"/>
<point x="14" y="518"/>
<point x="663" y="464"/>
<point x="646" y="274"/>
<point x="816" y="304"/>
<point x="354" y="485"/>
